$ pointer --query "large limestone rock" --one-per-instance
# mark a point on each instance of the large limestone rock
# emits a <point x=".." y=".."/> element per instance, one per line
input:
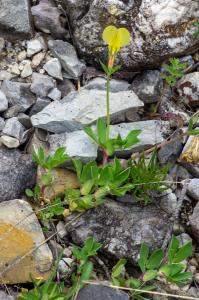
<point x="159" y="28"/>
<point x="15" y="20"/>
<point x="17" y="172"/>
<point x="20" y="234"/>
<point x="83" y="108"/>
<point x="122" y="228"/>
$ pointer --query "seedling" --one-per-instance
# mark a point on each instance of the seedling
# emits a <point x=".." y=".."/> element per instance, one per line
<point x="174" y="71"/>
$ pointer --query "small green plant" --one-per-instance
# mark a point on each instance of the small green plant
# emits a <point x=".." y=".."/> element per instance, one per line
<point x="147" y="177"/>
<point x="85" y="267"/>
<point x="196" y="24"/>
<point x="174" y="71"/>
<point x="108" y="145"/>
<point x="96" y="182"/>
<point x="154" y="265"/>
<point x="52" y="211"/>
<point x="49" y="290"/>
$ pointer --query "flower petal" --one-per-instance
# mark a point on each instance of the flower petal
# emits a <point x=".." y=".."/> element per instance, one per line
<point x="123" y="37"/>
<point x="109" y="34"/>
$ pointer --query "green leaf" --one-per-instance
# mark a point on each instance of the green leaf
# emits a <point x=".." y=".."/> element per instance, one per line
<point x="87" y="187"/>
<point x="78" y="167"/>
<point x="143" y="256"/>
<point x="150" y="275"/>
<point x="133" y="283"/>
<point x="155" y="259"/>
<point x="104" y="67"/>
<point x="173" y="247"/>
<point x="118" y="268"/>
<point x="29" y="193"/>
<point x="132" y="138"/>
<point x="182" y="277"/>
<point x="46" y="179"/>
<point x="101" y="131"/>
<point x="183" y="253"/>
<point x="89" y="131"/>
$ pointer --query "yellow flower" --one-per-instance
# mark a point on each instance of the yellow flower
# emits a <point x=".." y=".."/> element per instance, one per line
<point x="115" y="38"/>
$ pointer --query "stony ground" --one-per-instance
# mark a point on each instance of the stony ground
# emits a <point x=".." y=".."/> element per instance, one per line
<point x="51" y="88"/>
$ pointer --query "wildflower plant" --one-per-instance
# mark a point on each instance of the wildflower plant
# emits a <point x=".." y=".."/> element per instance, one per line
<point x="115" y="38"/>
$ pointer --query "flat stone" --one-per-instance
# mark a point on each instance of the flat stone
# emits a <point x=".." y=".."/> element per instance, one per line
<point x="188" y="89"/>
<point x="55" y="94"/>
<point x="9" y="142"/>
<point x="78" y="145"/>
<point x="35" y="45"/>
<point x="193" y="189"/>
<point x="18" y="94"/>
<point x="100" y="292"/>
<point x="122" y="228"/>
<point x="99" y="83"/>
<point x="18" y="240"/>
<point x="148" y="86"/>
<point x="15" y="20"/>
<point x="14" y="129"/>
<point x="194" y="223"/>
<point x="5" y="75"/>
<point x="2" y="123"/>
<point x="3" y="102"/>
<point x="53" y="68"/>
<point x="17" y="172"/>
<point x="67" y="56"/>
<point x="83" y="108"/>
<point x="41" y="84"/>
<point x="170" y="152"/>
<point x="37" y="59"/>
<point x="24" y="120"/>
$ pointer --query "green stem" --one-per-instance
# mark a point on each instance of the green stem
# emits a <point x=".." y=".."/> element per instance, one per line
<point x="108" y="105"/>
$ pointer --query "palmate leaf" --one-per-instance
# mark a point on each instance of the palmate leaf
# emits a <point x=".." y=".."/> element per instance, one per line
<point x="173" y="247"/>
<point x="155" y="259"/>
<point x="183" y="253"/>
<point x="143" y="256"/>
<point x="118" y="268"/>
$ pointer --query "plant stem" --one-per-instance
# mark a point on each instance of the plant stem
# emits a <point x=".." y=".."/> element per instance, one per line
<point x="108" y="105"/>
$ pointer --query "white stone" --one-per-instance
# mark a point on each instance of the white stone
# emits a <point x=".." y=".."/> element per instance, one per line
<point x="83" y="108"/>
<point x="9" y="142"/>
<point x="53" y="68"/>
<point x="27" y="70"/>
<point x="55" y="94"/>
<point x="3" y="102"/>
<point x="35" y="45"/>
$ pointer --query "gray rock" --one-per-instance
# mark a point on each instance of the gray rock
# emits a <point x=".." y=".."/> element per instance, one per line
<point x="66" y="86"/>
<point x="4" y="296"/>
<point x="3" y="102"/>
<point x="27" y="70"/>
<point x="55" y="94"/>
<point x="100" y="292"/>
<point x="148" y="86"/>
<point x="15" y="20"/>
<point x="61" y="230"/>
<point x="5" y="75"/>
<point x="99" y="83"/>
<point x="49" y="19"/>
<point x="188" y="89"/>
<point x="35" y="45"/>
<point x="2" y="123"/>
<point x="14" y="129"/>
<point x="194" y="223"/>
<point x="170" y="152"/>
<point x="83" y="108"/>
<point x="77" y="143"/>
<point x="9" y="142"/>
<point x="80" y="146"/>
<point x="17" y="172"/>
<point x="41" y="84"/>
<point x="12" y="111"/>
<point x="148" y="23"/>
<point x="39" y="105"/>
<point x="67" y="56"/>
<point x="28" y="230"/>
<point x="24" y="120"/>
<point x="18" y="94"/>
<point x="122" y="228"/>
<point x="193" y="189"/>
<point x="193" y="169"/>
<point x="53" y="68"/>
<point x="2" y="44"/>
